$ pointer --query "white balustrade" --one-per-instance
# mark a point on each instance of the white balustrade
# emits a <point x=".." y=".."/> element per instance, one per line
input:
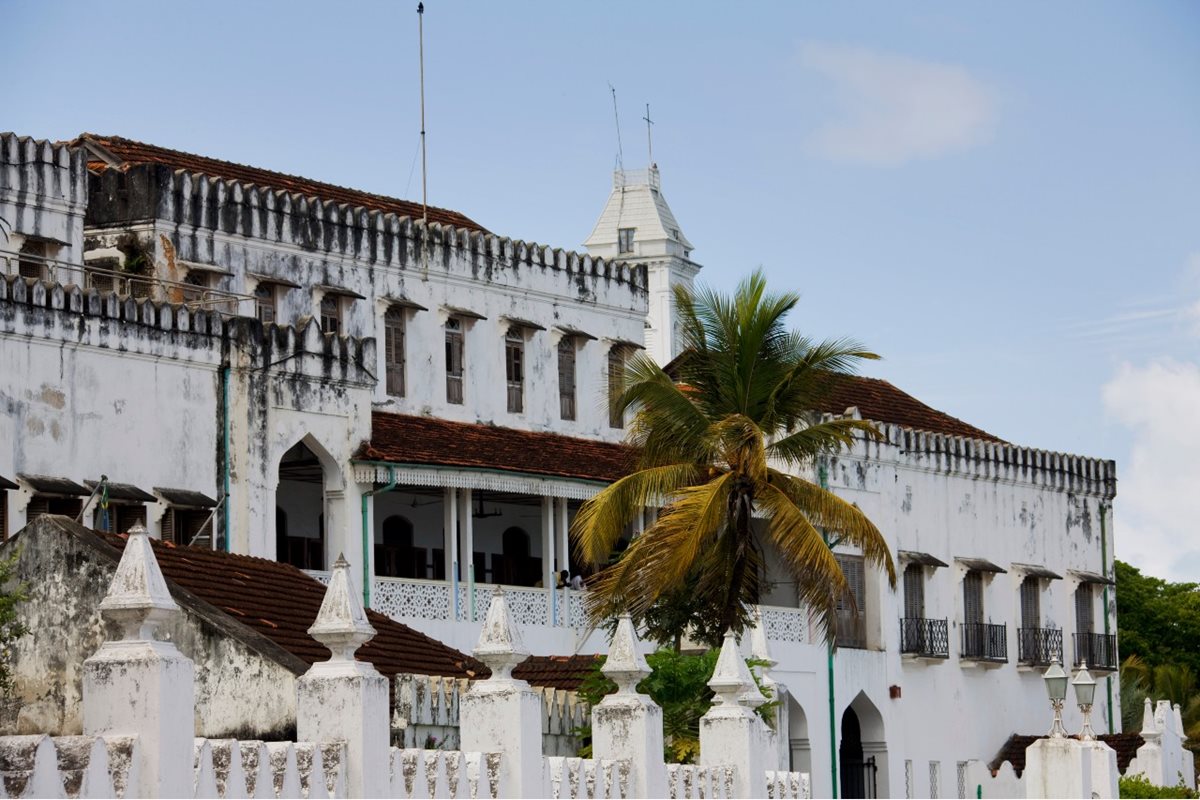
<point x="401" y="597"/>
<point x="785" y="624"/>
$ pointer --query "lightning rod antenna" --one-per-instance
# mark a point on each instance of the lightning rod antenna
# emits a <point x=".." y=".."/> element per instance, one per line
<point x="649" y="141"/>
<point x="617" y="120"/>
<point x="424" y="174"/>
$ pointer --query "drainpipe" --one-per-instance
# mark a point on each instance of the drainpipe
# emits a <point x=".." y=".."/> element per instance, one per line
<point x="366" y="535"/>
<point x="823" y="477"/>
<point x="225" y="374"/>
<point x="1107" y="629"/>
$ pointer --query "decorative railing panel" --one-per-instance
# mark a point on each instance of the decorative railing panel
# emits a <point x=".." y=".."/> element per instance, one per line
<point x="982" y="641"/>
<point x="1039" y="646"/>
<point x="528" y="606"/>
<point x="1099" y="650"/>
<point x="929" y="638"/>
<point x="410" y="598"/>
<point x="785" y="624"/>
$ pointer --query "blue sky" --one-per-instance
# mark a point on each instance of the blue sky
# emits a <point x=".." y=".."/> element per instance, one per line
<point x="1000" y="199"/>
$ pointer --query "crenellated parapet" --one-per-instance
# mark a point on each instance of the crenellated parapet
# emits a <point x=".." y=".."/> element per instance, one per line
<point x="197" y="202"/>
<point x="981" y="459"/>
<point x="73" y="315"/>
<point x="43" y="193"/>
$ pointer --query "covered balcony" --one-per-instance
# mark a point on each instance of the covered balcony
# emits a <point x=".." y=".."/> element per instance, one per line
<point x="925" y="638"/>
<point x="984" y="642"/>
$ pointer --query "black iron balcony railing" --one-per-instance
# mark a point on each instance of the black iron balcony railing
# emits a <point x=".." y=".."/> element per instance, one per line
<point x="925" y="637"/>
<point x="1099" y="650"/>
<point x="851" y="629"/>
<point x="982" y="641"/>
<point x="1039" y="646"/>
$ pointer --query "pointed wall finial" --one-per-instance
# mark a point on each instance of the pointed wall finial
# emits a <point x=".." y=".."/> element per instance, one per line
<point x="1149" y="729"/>
<point x="500" y="645"/>
<point x="731" y="677"/>
<point x="138" y="599"/>
<point x="341" y="624"/>
<point x="625" y="664"/>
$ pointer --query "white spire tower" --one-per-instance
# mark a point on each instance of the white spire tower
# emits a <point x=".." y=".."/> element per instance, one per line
<point x="637" y="226"/>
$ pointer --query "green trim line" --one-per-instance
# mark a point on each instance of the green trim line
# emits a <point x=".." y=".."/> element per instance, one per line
<point x="447" y="467"/>
<point x="225" y="375"/>
<point x="1107" y="629"/>
<point x="823" y="478"/>
<point x="366" y="535"/>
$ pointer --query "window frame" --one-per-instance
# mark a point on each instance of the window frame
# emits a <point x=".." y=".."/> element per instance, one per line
<point x="625" y="240"/>
<point x="568" y="350"/>
<point x="455" y="338"/>
<point x="395" y="355"/>
<point x="337" y="317"/>
<point x="973" y="585"/>
<point x="514" y="369"/>
<point x="914" y="591"/>
<point x="617" y="362"/>
<point x="268" y="302"/>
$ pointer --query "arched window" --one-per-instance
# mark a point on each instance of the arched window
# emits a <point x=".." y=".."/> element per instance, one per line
<point x="395" y="557"/>
<point x="515" y="566"/>
<point x="397" y="532"/>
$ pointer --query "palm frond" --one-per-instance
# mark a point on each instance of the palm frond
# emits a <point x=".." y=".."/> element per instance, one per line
<point x="831" y="436"/>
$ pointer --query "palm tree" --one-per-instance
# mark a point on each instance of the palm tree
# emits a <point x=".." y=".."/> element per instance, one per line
<point x="713" y="442"/>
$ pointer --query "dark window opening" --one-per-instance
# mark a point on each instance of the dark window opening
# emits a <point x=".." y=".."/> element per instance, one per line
<point x="625" y="240"/>
<point x="264" y="303"/>
<point x="331" y="314"/>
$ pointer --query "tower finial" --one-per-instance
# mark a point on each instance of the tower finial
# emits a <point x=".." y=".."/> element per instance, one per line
<point x="649" y="139"/>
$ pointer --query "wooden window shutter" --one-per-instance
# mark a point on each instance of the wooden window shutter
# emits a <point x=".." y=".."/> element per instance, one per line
<point x="168" y="526"/>
<point x="566" y="378"/>
<point x="914" y="591"/>
<point x="38" y="505"/>
<point x="393" y="330"/>
<point x="3" y="515"/>
<point x="852" y="568"/>
<point x="1031" y="603"/>
<point x="1084" y="613"/>
<point x="973" y="597"/>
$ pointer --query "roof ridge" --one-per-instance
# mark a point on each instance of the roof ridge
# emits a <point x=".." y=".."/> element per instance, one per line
<point x="101" y="140"/>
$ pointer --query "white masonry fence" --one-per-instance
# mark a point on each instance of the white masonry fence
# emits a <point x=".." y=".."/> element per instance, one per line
<point x="139" y="719"/>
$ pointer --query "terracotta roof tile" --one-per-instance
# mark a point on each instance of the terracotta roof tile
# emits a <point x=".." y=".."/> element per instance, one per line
<point x="280" y="602"/>
<point x="561" y="672"/>
<point x="880" y="401"/>
<point x="1013" y="751"/>
<point x="131" y="152"/>
<point x="403" y="439"/>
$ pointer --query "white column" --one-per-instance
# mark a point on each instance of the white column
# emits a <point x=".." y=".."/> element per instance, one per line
<point x="548" y="543"/>
<point x="450" y="543"/>
<point x="467" y="571"/>
<point x="140" y="686"/>
<point x="344" y="699"/>
<point x="563" y="530"/>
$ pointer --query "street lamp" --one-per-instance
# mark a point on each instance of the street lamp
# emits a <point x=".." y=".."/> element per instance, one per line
<point x="1085" y="692"/>
<point x="1056" y="688"/>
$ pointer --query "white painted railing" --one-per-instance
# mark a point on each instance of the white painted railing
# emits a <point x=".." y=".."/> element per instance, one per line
<point x="792" y="785"/>
<point x="690" y="780"/>
<point x="786" y="624"/>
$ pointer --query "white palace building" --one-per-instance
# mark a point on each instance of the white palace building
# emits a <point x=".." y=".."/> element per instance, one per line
<point x="282" y="368"/>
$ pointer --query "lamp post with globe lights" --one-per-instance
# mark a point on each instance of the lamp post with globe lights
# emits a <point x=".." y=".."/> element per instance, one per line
<point x="1056" y="687"/>
<point x="1085" y="692"/>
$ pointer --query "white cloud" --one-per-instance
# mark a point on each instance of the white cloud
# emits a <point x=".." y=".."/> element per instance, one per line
<point x="1157" y="520"/>
<point x="895" y="108"/>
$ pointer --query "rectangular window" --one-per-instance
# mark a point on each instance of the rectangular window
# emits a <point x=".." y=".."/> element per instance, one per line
<point x="625" y="240"/>
<point x="331" y="314"/>
<point x="264" y="303"/>
<point x="454" y="361"/>
<point x="514" y="369"/>
<point x="1085" y="618"/>
<point x="973" y="598"/>
<point x="566" y="378"/>
<point x="185" y="526"/>
<point x="393" y="351"/>
<point x="914" y="591"/>
<point x="41" y="504"/>
<point x="197" y="286"/>
<point x="1031" y="603"/>
<point x="31" y="261"/>
<point x="121" y="517"/>
<point x="616" y="385"/>
<point x="851" y="607"/>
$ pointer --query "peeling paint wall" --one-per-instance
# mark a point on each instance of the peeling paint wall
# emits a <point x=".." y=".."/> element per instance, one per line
<point x="67" y="578"/>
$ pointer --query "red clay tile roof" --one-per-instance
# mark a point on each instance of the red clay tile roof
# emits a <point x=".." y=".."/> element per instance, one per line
<point x="880" y="401"/>
<point x="402" y="439"/>
<point x="130" y="152"/>
<point x="280" y="602"/>
<point x="561" y="672"/>
<point x="1126" y="745"/>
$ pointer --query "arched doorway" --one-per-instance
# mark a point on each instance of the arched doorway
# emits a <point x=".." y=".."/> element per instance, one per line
<point x="850" y="757"/>
<point x="300" y="505"/>
<point x="394" y="557"/>
<point x="514" y="562"/>
<point x="798" y="743"/>
<point x="862" y="752"/>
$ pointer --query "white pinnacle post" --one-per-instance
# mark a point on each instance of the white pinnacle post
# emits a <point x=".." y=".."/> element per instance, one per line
<point x="627" y="725"/>
<point x="760" y="651"/>
<point x="502" y="714"/>
<point x="344" y="699"/>
<point x="137" y="686"/>
<point x="731" y="733"/>
<point x="1150" y="754"/>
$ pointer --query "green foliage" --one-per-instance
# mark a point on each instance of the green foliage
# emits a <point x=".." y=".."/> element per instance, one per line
<point x="12" y="594"/>
<point x="1157" y="620"/>
<point x="1138" y="786"/>
<point x="678" y="682"/>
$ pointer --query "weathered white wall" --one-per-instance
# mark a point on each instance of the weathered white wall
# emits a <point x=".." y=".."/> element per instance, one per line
<point x="43" y="193"/>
